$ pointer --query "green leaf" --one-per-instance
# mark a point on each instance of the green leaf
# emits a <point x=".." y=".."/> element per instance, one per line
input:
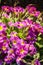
<point x="39" y="44"/>
<point x="20" y="35"/>
<point x="0" y="1"/>
<point x="15" y="19"/>
<point x="39" y="38"/>
<point x="6" y="20"/>
<point x="36" y="56"/>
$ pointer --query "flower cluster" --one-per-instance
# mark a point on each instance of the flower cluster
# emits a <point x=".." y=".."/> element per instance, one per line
<point x="18" y="34"/>
<point x="33" y="11"/>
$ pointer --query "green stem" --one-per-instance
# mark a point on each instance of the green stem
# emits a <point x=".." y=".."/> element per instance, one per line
<point x="26" y="62"/>
<point x="41" y="60"/>
<point x="4" y="63"/>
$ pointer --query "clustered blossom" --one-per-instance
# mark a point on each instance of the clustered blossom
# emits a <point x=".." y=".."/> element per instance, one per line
<point x="32" y="10"/>
<point x="16" y="10"/>
<point x="12" y="46"/>
<point x="36" y="62"/>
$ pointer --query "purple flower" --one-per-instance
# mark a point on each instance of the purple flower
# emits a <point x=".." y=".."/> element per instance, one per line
<point x="22" y="63"/>
<point x="15" y="41"/>
<point x="13" y="47"/>
<point x="1" y="62"/>
<point x="13" y="34"/>
<point x="18" y="59"/>
<point x="9" y="58"/>
<point x="32" y="49"/>
<point x="11" y="51"/>
<point x="5" y="15"/>
<point x="5" y="46"/>
<point x="18" y="9"/>
<point x="31" y="7"/>
<point x="32" y="10"/>
<point x="38" y="28"/>
<point x="23" y="24"/>
<point x="10" y="23"/>
<point x="32" y="36"/>
<point x="2" y="27"/>
<point x="36" y="62"/>
<point x="3" y="34"/>
<point x="4" y="43"/>
<point x="22" y="51"/>
<point x="6" y="8"/>
<point x="37" y="13"/>
<point x="11" y="9"/>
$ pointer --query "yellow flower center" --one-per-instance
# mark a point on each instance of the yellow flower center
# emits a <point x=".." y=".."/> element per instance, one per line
<point x="1" y="28"/>
<point x="22" y="51"/>
<point x="11" y="51"/>
<point x="22" y="42"/>
<point x="6" y="9"/>
<point x="21" y="24"/>
<point x="14" y="42"/>
<point x="15" y="34"/>
<point x="3" y="48"/>
<point x="4" y="41"/>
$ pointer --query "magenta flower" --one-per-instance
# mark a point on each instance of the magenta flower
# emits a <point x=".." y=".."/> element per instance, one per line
<point x="5" y="45"/>
<point x="37" y="13"/>
<point x="6" y="8"/>
<point x="38" y="27"/>
<point x="23" y="24"/>
<point x="32" y="36"/>
<point x="9" y="58"/>
<point x="3" y="34"/>
<point x="13" y="34"/>
<point x="11" y="9"/>
<point x="22" y="51"/>
<point x="5" y="15"/>
<point x="11" y="51"/>
<point x="36" y="62"/>
<point x="15" y="41"/>
<point x="32" y="10"/>
<point x="1" y="62"/>
<point x="14" y="46"/>
<point x="32" y="49"/>
<point x="2" y="27"/>
<point x="18" y="9"/>
<point x="10" y="23"/>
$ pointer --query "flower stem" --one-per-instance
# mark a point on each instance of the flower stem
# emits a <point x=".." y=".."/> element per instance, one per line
<point x="4" y="63"/>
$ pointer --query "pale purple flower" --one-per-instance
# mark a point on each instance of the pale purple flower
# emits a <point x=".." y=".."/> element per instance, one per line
<point x="5" y="15"/>
<point x="37" y="62"/>
<point x="1" y="62"/>
<point x="2" y="27"/>
<point x="10" y="23"/>
<point x="13" y="34"/>
<point x="32" y="49"/>
<point x="6" y="8"/>
<point x="22" y="51"/>
<point x="9" y="58"/>
<point x="32" y="10"/>
<point x="18" y="9"/>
